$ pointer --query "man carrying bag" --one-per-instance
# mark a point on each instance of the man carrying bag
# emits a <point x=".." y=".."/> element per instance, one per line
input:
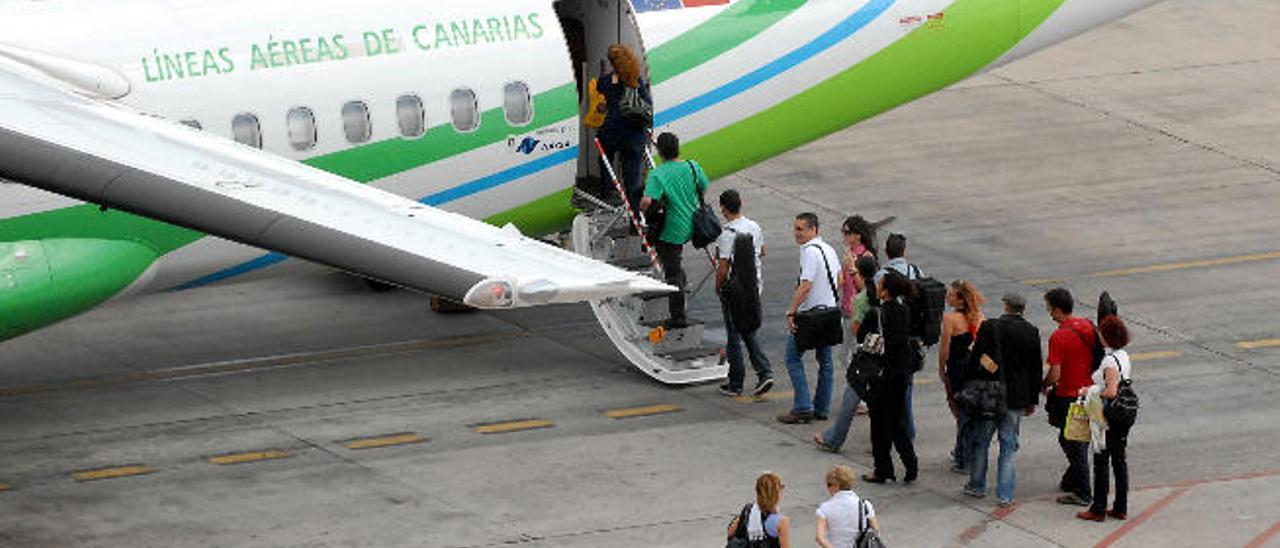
<point x="813" y="319"/>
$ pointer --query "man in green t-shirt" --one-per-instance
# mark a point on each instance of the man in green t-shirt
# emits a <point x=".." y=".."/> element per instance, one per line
<point x="679" y="184"/>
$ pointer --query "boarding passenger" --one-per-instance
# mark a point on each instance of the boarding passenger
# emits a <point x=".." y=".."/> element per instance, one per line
<point x="816" y="287"/>
<point x="895" y="250"/>
<point x="863" y="322"/>
<point x="761" y="521"/>
<point x="680" y="184"/>
<point x="1115" y="367"/>
<point x="1013" y="345"/>
<point x="859" y="241"/>
<point x="1070" y="364"/>
<point x="621" y="138"/>
<point x="845" y="515"/>
<point x="959" y="331"/>
<point x="748" y="286"/>
<point x="888" y="421"/>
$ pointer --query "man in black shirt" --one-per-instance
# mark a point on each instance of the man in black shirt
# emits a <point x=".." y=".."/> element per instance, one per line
<point x="1012" y="347"/>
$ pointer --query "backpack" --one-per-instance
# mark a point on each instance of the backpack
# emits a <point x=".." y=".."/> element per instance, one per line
<point x="634" y="108"/>
<point x="741" y="539"/>
<point x="926" y="308"/>
<point x="740" y="292"/>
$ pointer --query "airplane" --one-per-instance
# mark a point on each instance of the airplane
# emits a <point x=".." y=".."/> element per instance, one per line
<point x="151" y="146"/>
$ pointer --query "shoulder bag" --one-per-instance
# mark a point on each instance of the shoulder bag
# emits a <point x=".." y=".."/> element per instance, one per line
<point x="821" y="325"/>
<point x="867" y="367"/>
<point x="706" y="226"/>
<point x="867" y="536"/>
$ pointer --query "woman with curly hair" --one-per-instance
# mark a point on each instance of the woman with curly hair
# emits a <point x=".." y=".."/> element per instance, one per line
<point x="959" y="331"/>
<point x="621" y="138"/>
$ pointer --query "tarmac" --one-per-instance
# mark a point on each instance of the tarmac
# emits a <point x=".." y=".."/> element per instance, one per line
<point x="1141" y="158"/>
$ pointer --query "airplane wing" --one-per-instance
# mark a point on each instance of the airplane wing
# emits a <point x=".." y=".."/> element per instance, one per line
<point x="56" y="139"/>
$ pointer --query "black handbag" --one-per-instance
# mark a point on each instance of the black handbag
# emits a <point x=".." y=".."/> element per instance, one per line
<point x="821" y="325"/>
<point x="706" y="225"/>
<point x="984" y="399"/>
<point x="866" y="368"/>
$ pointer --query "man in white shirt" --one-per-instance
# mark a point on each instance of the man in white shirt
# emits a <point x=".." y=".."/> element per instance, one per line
<point x="738" y="225"/>
<point x="819" y="263"/>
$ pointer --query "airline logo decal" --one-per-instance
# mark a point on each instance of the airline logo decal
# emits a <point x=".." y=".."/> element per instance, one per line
<point x="660" y="5"/>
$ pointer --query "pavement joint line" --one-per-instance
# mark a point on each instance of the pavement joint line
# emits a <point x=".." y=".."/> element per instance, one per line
<point x="112" y="472"/>
<point x="389" y="440"/>
<point x="512" y="426"/>
<point x="1261" y="343"/>
<point x="1261" y="540"/>
<point x="645" y="411"/>
<point x="260" y="363"/>
<point x="1155" y="355"/>
<point x="247" y="457"/>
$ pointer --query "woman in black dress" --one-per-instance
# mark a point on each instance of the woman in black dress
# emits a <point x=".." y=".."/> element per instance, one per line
<point x="888" y="420"/>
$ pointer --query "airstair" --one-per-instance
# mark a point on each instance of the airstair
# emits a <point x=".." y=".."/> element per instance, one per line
<point x="635" y="323"/>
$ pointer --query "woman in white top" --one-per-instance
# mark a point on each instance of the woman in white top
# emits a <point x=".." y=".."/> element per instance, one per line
<point x="839" y="518"/>
<point x="1115" y="367"/>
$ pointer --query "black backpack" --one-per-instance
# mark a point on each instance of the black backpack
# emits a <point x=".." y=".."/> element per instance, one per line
<point x="740" y="538"/>
<point x="740" y="292"/>
<point x="1122" y="411"/>
<point x="926" y="309"/>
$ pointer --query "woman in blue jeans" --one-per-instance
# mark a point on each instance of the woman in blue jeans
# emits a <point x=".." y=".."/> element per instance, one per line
<point x="862" y="322"/>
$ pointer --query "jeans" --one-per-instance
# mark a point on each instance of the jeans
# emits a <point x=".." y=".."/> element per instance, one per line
<point x="821" y="402"/>
<point x="909" y="412"/>
<point x="671" y="256"/>
<point x="834" y="437"/>
<point x="1117" y="440"/>
<point x="1076" y="478"/>
<point x="964" y="440"/>
<point x="982" y="430"/>
<point x="733" y="353"/>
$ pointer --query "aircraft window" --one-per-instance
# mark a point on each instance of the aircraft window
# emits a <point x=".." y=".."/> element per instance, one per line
<point x="466" y="112"/>
<point x="193" y="124"/>
<point x="355" y="122"/>
<point x="302" y="128"/>
<point x="413" y="119"/>
<point x="517" y="104"/>
<point x="246" y="130"/>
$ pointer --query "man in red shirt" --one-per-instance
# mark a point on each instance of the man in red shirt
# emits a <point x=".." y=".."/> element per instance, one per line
<point x="1070" y="360"/>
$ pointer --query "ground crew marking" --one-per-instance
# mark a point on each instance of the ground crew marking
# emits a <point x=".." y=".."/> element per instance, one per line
<point x="747" y="398"/>
<point x="252" y="456"/>
<point x="112" y="472"/>
<point x="1254" y="345"/>
<point x="1157" y="355"/>
<point x="403" y="438"/>
<point x="1168" y="267"/>
<point x="513" y="426"/>
<point x="660" y="409"/>
<point x="5" y="487"/>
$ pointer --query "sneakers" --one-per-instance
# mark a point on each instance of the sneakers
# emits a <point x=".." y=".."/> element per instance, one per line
<point x="819" y="417"/>
<point x="1003" y="503"/>
<point x="1072" y="499"/>
<point x="763" y="386"/>
<point x="726" y="390"/>
<point x="796" y="417"/>
<point x="970" y="491"/>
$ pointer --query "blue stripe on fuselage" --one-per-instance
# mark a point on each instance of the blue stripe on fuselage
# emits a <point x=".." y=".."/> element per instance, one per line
<point x="842" y="31"/>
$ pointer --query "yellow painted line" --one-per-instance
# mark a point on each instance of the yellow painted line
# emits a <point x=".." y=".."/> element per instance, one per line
<point x="770" y="396"/>
<point x="5" y="487"/>
<point x="252" y="456"/>
<point x="513" y="426"/>
<point x="1221" y="261"/>
<point x="926" y="380"/>
<point x="642" y="411"/>
<point x="384" y="441"/>
<point x="1158" y="355"/>
<point x="1264" y="343"/>
<point x="1040" y="281"/>
<point x="113" y="472"/>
